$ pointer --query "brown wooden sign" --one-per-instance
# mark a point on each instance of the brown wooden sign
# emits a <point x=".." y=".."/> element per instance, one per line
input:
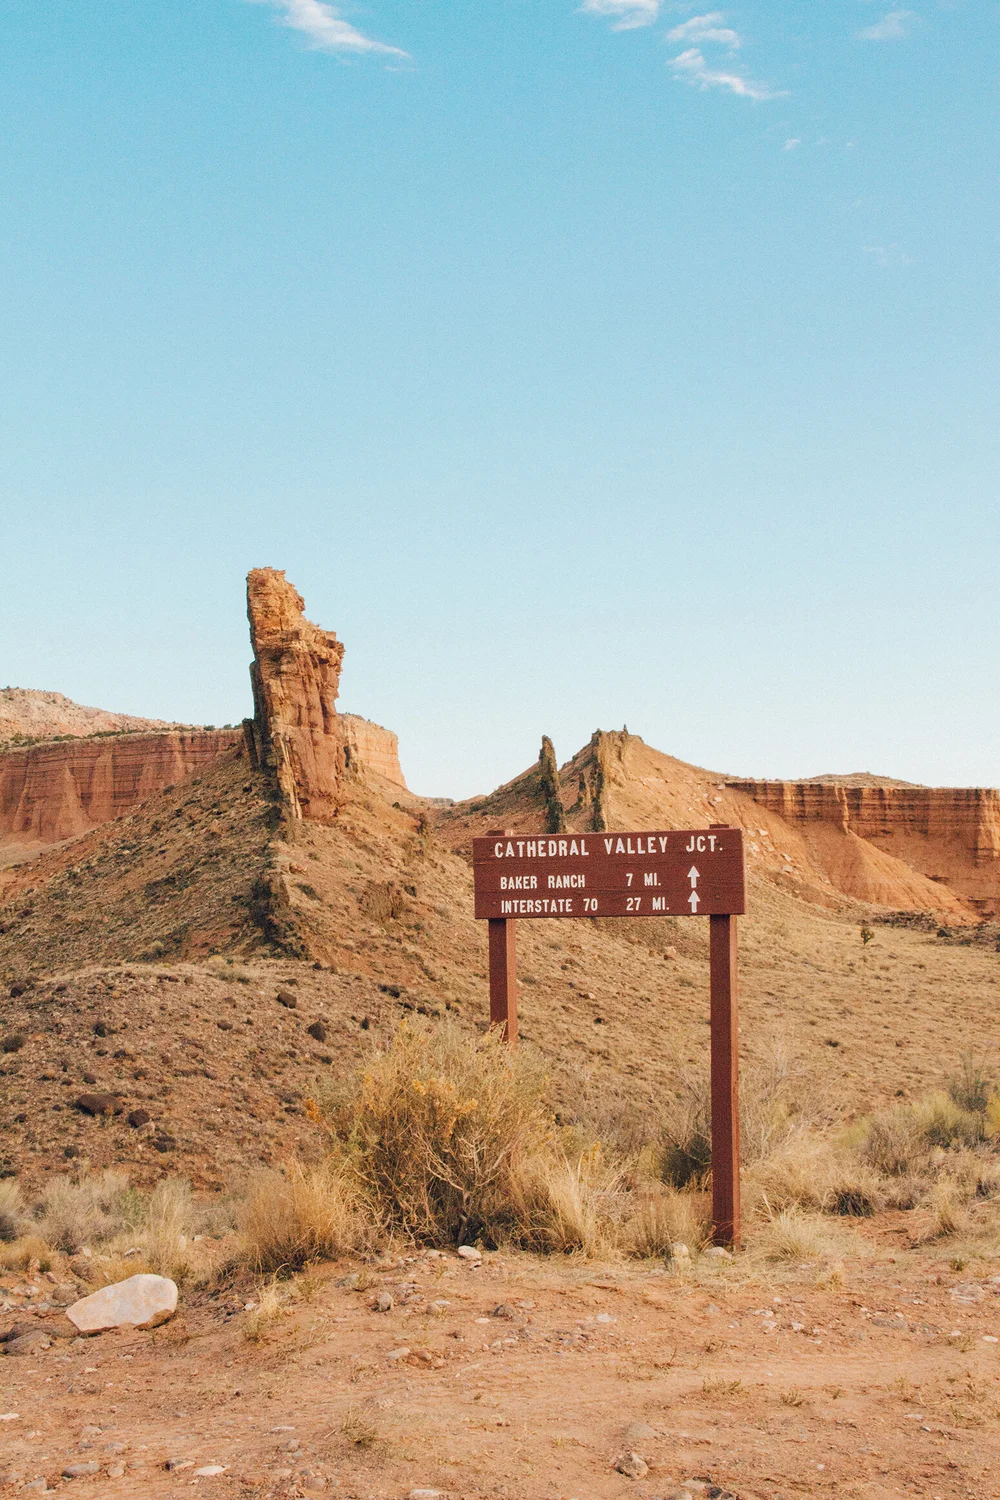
<point x="676" y="873"/>
<point x="697" y="872"/>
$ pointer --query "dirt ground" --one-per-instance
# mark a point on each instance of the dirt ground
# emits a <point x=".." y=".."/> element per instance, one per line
<point x="526" y="1377"/>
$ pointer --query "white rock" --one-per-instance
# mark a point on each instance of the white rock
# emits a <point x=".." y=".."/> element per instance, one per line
<point x="468" y="1252"/>
<point x="718" y="1252"/>
<point x="142" y="1301"/>
<point x="209" y="1471"/>
<point x="425" y="1495"/>
<point x="680" y="1251"/>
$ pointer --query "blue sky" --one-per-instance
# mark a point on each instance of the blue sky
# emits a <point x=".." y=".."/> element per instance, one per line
<point x="583" y="364"/>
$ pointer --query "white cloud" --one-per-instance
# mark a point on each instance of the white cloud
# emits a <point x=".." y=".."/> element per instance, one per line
<point x="791" y="143"/>
<point x="692" y="68"/>
<point x="627" y="14"/>
<point x="892" y="27"/>
<point x="326" y="29"/>
<point x="708" y="28"/>
<point x="888" y="256"/>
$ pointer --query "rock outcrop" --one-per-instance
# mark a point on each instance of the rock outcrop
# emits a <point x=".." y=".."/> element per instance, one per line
<point x="951" y="835"/>
<point x="296" y="677"/>
<point x="62" y="789"/>
<point x="369" y="747"/>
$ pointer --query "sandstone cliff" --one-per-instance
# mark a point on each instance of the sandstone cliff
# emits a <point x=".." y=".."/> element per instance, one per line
<point x="369" y="747"/>
<point x="59" y="790"/>
<point x="950" y="835"/>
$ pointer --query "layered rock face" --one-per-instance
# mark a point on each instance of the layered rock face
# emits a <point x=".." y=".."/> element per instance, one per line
<point x="369" y="747"/>
<point x="949" y="834"/>
<point x="296" y="677"/>
<point x="58" y="791"/>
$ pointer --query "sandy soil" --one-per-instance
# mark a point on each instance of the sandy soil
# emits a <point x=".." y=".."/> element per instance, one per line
<point x="531" y="1380"/>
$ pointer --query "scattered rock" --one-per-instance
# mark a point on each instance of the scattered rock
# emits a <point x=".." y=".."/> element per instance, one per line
<point x="99" y="1104"/>
<point x="287" y="999"/>
<point x="679" y="1251"/>
<point x="967" y="1291"/>
<point x="469" y="1252"/>
<point x="116" y="1471"/>
<point x="398" y="1354"/>
<point x="318" y="1030"/>
<point x="142" y="1301"/>
<point x="384" y="1302"/>
<point x="631" y="1465"/>
<point x="439" y="1307"/>
<point x="35" y="1342"/>
<point x="889" y="1320"/>
<point x="176" y="1464"/>
<point x="138" y="1118"/>
<point x="504" y="1310"/>
<point x="209" y="1471"/>
<point x="13" y="1041"/>
<point x="717" y="1252"/>
<point x="81" y="1471"/>
<point x="425" y="1495"/>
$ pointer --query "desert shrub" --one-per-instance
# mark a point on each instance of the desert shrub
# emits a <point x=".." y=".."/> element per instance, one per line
<point x="973" y="1084"/>
<point x="770" y="1116"/>
<point x="942" y="1122"/>
<point x="898" y="1141"/>
<point x="440" y="1132"/>
<point x="305" y="1214"/>
<point x="12" y="1213"/>
<point x="658" y="1221"/>
<point x="87" y="1210"/>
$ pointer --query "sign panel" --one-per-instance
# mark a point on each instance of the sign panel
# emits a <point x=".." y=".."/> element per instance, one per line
<point x="677" y="873"/>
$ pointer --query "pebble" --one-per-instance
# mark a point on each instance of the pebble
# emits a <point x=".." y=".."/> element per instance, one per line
<point x="439" y="1307"/>
<point x="718" y="1252"/>
<point x="176" y="1464"/>
<point x="81" y="1471"/>
<point x="384" y="1302"/>
<point x="504" y="1310"/>
<point x="116" y="1471"/>
<point x="397" y="1354"/>
<point x="468" y="1252"/>
<point x="209" y="1471"/>
<point x="425" y="1495"/>
<point x="631" y="1465"/>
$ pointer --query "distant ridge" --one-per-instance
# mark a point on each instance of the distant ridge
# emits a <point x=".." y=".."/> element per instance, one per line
<point x="856" y="778"/>
<point x="33" y="714"/>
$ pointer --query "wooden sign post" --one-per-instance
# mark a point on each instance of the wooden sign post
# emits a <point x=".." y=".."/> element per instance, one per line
<point x="673" y="873"/>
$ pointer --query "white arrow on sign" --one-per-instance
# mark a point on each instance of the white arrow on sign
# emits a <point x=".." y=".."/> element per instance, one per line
<point x="693" y="902"/>
<point x="693" y="876"/>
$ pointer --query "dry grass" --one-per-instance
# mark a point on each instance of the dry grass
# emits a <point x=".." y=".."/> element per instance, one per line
<point x="13" y="1218"/>
<point x="305" y="1214"/>
<point x="23" y="1253"/>
<point x="265" y="1310"/>
<point x="87" y="1210"/>
<point x="795" y="1235"/>
<point x="661" y="1220"/>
